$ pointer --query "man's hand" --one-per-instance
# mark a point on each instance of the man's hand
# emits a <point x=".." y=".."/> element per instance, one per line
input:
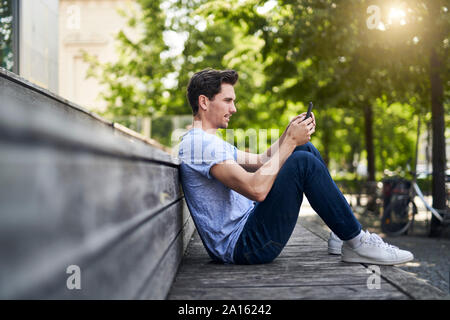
<point x="264" y="157"/>
<point x="302" y="116"/>
<point x="300" y="130"/>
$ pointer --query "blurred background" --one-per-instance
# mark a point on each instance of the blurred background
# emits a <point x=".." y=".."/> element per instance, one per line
<point x="371" y="68"/>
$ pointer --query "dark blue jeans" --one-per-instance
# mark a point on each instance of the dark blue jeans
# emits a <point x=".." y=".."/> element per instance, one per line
<point x="272" y="221"/>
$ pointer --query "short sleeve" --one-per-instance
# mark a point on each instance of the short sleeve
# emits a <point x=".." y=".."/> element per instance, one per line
<point x="202" y="151"/>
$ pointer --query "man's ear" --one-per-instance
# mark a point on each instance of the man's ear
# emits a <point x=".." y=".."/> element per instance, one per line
<point x="203" y="102"/>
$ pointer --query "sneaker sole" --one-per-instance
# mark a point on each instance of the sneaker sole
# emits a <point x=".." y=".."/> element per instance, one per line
<point x="366" y="260"/>
<point x="334" y="251"/>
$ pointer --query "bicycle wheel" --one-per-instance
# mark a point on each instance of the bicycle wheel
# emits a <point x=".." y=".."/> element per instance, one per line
<point x="398" y="215"/>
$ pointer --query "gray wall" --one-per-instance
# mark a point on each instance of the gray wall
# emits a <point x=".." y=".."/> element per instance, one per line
<point x="75" y="190"/>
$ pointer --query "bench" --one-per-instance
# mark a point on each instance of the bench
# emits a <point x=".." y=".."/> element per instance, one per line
<point x="89" y="209"/>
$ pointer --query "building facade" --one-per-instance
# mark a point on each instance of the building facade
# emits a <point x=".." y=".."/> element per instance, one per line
<point x="89" y="25"/>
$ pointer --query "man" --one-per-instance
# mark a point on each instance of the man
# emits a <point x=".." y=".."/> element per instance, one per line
<point x="245" y="205"/>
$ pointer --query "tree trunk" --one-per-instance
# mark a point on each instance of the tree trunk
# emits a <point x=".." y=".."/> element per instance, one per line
<point x="368" y="133"/>
<point x="438" y="133"/>
<point x="438" y="160"/>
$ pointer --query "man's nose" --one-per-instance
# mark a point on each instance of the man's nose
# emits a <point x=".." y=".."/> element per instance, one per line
<point x="233" y="108"/>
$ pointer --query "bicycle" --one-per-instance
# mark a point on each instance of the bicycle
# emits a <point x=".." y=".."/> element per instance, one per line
<point x="398" y="217"/>
<point x="400" y="208"/>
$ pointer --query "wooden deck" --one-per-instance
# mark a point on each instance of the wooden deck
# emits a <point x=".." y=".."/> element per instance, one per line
<point x="304" y="270"/>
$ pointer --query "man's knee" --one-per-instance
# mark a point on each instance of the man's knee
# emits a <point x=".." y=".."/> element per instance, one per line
<point x="305" y="160"/>
<point x="303" y="156"/>
<point x="306" y="147"/>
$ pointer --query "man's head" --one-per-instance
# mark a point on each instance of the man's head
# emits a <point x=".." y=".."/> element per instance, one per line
<point x="211" y="95"/>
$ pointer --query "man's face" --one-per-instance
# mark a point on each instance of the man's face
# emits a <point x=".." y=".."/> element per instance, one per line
<point x="221" y="107"/>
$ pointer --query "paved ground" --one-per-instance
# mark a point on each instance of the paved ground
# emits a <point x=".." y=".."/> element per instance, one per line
<point x="431" y="256"/>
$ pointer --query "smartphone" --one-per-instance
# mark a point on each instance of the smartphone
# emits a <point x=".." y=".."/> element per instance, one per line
<point x="308" y="113"/>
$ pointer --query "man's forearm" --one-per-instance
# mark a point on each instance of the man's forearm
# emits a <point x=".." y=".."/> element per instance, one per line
<point x="264" y="177"/>
<point x="266" y="155"/>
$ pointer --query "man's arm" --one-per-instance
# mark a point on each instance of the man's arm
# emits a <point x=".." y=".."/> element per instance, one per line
<point x="252" y="161"/>
<point x="256" y="185"/>
<point x="253" y="185"/>
<point x="249" y="161"/>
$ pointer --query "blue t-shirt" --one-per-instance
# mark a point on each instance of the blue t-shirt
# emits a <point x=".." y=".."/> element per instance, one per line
<point x="219" y="212"/>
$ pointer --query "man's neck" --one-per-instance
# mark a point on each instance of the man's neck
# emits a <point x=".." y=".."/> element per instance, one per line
<point x="205" y="126"/>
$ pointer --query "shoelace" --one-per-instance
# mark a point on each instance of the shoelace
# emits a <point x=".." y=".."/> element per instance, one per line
<point x="375" y="239"/>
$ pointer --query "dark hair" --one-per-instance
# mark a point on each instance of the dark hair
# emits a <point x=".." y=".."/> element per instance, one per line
<point x="208" y="82"/>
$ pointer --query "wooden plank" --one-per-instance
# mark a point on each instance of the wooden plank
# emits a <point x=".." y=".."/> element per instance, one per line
<point x="188" y="228"/>
<point x="278" y="273"/>
<point x="304" y="270"/>
<point x="407" y="282"/>
<point x="315" y="225"/>
<point x="79" y="190"/>
<point x="338" y="292"/>
<point x="27" y="114"/>
<point x="58" y="205"/>
<point x="286" y="264"/>
<point x="272" y="279"/>
<point x="119" y="271"/>
<point x="49" y="181"/>
<point x="157" y="286"/>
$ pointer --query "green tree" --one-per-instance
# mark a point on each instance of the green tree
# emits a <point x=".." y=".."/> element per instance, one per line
<point x="221" y="44"/>
<point x="325" y="50"/>
<point x="369" y="84"/>
<point x="418" y="40"/>
<point x="135" y="83"/>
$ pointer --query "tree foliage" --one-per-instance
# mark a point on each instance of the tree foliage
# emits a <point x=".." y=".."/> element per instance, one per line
<point x="288" y="53"/>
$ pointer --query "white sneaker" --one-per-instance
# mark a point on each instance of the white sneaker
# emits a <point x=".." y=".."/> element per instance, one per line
<point x="334" y="244"/>
<point x="374" y="250"/>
